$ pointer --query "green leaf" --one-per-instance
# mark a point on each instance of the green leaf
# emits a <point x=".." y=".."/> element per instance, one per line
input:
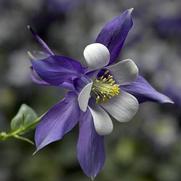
<point x="25" y="117"/>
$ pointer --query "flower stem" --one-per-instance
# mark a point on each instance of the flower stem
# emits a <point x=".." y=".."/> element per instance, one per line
<point x="19" y="132"/>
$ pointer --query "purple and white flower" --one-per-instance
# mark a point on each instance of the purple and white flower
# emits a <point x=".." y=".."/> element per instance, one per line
<point x="96" y="92"/>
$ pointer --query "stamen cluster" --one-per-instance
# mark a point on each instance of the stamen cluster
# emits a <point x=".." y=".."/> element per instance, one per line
<point x="105" y="87"/>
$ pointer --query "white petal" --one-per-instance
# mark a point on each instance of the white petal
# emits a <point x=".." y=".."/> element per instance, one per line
<point x="122" y="107"/>
<point x="84" y="96"/>
<point x="102" y="121"/>
<point x="124" y="71"/>
<point x="96" y="55"/>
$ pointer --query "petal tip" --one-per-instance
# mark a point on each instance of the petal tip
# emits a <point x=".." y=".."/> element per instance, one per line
<point x="31" y="30"/>
<point x="102" y="121"/>
<point x="28" y="27"/>
<point x="92" y="178"/>
<point x="103" y="132"/>
<point x="122" y="107"/>
<point x="124" y="72"/>
<point x="135" y="70"/>
<point x="130" y="10"/>
<point x="169" y="101"/>
<point x="35" y="152"/>
<point x="108" y="132"/>
<point x="172" y="102"/>
<point x="30" y="55"/>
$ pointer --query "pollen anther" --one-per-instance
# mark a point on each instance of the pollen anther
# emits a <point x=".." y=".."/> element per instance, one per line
<point x="105" y="87"/>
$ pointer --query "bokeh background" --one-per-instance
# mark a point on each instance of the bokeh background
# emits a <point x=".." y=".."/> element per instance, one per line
<point x="146" y="149"/>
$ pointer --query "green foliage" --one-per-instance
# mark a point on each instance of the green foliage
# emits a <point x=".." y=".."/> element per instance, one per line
<point x="25" y="117"/>
<point x="24" y="121"/>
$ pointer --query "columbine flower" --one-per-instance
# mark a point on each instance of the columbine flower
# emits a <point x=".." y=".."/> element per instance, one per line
<point x="95" y="92"/>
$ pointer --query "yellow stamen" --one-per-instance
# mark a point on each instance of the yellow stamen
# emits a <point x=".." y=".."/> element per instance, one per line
<point x="104" y="88"/>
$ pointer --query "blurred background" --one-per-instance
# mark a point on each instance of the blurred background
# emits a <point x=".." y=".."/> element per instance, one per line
<point x="146" y="149"/>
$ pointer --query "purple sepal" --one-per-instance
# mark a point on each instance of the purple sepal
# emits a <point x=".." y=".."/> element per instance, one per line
<point x="114" y="34"/>
<point x="143" y="91"/>
<point x="36" y="78"/>
<point x="57" y="69"/>
<point x="90" y="147"/>
<point x="58" y="121"/>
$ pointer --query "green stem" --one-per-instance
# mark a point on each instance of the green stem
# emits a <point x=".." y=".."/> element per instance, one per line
<point x="23" y="139"/>
<point x="17" y="133"/>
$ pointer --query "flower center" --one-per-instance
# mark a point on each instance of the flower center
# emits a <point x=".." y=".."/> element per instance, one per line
<point x="104" y="88"/>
